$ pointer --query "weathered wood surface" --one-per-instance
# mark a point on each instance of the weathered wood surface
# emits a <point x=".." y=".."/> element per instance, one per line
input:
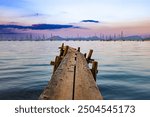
<point x="72" y="80"/>
<point x="85" y="86"/>
<point x="61" y="81"/>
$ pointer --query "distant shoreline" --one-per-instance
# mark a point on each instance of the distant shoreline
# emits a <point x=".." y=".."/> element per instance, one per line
<point x="79" y="40"/>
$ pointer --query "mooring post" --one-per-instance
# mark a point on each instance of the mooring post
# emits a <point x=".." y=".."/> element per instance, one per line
<point x="94" y="69"/>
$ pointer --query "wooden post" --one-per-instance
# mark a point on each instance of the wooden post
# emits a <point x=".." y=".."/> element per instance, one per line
<point x="66" y="50"/>
<point x="62" y="46"/>
<point x="56" y="59"/>
<point x="57" y="62"/>
<point x="62" y="50"/>
<point x="78" y="49"/>
<point x="94" y="69"/>
<point x="52" y="63"/>
<point x="89" y="55"/>
<point x="85" y="55"/>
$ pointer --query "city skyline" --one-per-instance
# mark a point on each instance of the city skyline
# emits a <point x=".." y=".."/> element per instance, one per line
<point x="71" y="18"/>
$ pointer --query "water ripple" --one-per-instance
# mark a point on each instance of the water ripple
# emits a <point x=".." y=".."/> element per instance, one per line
<point x="124" y="68"/>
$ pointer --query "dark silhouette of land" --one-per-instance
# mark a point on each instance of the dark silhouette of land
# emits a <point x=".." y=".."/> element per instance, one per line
<point x="36" y="37"/>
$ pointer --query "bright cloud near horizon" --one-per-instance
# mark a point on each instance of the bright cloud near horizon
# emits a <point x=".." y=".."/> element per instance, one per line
<point x="78" y="17"/>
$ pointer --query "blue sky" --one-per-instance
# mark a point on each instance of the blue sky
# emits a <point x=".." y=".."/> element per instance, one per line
<point x="108" y="12"/>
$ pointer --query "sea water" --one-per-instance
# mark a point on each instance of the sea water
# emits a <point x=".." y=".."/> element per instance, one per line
<point x="123" y="70"/>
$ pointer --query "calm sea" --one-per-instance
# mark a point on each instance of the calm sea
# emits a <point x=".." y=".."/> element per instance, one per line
<point x="124" y="68"/>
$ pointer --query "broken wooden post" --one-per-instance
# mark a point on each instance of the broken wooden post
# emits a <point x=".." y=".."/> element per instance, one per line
<point x="61" y="49"/>
<point x="89" y="60"/>
<point x="65" y="50"/>
<point x="90" y="54"/>
<point x="52" y="63"/>
<point x="85" y="55"/>
<point x="94" y="69"/>
<point x="57" y="62"/>
<point x="78" y="49"/>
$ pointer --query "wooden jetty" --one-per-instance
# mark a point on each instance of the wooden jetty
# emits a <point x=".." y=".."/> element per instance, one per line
<point x="72" y="78"/>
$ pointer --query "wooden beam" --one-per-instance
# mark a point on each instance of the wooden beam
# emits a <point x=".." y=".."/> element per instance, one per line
<point x="65" y="50"/>
<point x="52" y="63"/>
<point x="60" y="86"/>
<point x="94" y="69"/>
<point x="61" y="49"/>
<point x="85" y="55"/>
<point x="78" y="49"/>
<point x="57" y="62"/>
<point x="90" y="54"/>
<point x="85" y="86"/>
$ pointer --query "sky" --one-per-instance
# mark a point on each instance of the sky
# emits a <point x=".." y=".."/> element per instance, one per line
<point x="70" y="18"/>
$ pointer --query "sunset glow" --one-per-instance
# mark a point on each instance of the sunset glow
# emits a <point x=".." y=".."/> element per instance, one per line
<point x="81" y="18"/>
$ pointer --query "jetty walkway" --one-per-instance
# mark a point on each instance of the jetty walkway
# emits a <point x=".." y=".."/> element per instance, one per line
<point x="72" y="78"/>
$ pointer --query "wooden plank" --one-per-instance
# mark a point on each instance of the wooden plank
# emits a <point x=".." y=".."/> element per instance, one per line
<point x="60" y="86"/>
<point x="85" y="86"/>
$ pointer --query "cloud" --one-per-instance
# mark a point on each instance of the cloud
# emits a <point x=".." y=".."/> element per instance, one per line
<point x="92" y="21"/>
<point x="38" y="26"/>
<point x="35" y="15"/>
<point x="49" y="26"/>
